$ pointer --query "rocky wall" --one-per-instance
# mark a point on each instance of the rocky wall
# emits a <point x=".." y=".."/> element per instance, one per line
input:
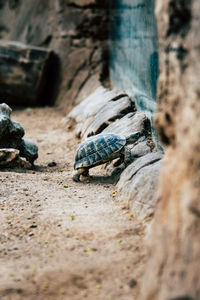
<point x="76" y="30"/>
<point x="172" y="271"/>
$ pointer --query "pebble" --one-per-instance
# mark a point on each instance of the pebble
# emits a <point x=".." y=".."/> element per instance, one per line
<point x="52" y="164"/>
<point x="33" y="226"/>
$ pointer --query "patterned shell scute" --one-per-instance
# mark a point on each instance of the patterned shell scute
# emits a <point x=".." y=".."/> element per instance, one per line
<point x="98" y="148"/>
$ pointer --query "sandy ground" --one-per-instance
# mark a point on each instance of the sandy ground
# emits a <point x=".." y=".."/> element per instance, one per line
<point x="60" y="239"/>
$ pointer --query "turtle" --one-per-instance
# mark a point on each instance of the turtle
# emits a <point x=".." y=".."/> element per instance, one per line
<point x="101" y="148"/>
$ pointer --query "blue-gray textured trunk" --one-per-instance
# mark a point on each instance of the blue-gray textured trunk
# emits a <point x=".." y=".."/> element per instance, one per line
<point x="134" y="51"/>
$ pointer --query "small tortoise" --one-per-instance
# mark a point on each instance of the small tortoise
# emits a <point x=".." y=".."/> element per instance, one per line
<point x="100" y="149"/>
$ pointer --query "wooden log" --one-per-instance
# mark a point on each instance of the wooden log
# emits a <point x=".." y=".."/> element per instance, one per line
<point x="24" y="72"/>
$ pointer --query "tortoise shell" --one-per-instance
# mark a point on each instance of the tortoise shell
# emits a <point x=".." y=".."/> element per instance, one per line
<point x="98" y="149"/>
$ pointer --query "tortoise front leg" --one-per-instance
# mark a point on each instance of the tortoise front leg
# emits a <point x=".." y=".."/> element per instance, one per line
<point x="128" y="158"/>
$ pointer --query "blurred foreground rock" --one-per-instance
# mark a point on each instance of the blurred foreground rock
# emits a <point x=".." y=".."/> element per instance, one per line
<point x="24" y="73"/>
<point x="106" y="111"/>
<point x="14" y="150"/>
<point x="172" y="271"/>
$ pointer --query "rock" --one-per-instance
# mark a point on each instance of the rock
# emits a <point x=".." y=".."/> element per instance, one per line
<point x="5" y="110"/>
<point x="112" y="110"/>
<point x="23" y="72"/>
<point x="90" y="86"/>
<point x="8" y="157"/>
<point x="11" y="134"/>
<point x="23" y="163"/>
<point x="29" y="150"/>
<point x="142" y="148"/>
<point x="70" y="25"/>
<point x="131" y="122"/>
<point x="85" y="112"/>
<point x="138" y="185"/>
<point x="137" y="165"/>
<point x="93" y="103"/>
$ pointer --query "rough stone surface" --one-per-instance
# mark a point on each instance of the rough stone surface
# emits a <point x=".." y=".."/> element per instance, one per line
<point x="72" y="29"/>
<point x="29" y="150"/>
<point x="8" y="156"/>
<point x="140" y="192"/>
<point x="172" y="271"/>
<point x="11" y="134"/>
<point x="138" y="185"/>
<point x="141" y="149"/>
<point x="136" y="166"/>
<point x="131" y="122"/>
<point x="85" y="112"/>
<point x="24" y="73"/>
<point x="112" y="110"/>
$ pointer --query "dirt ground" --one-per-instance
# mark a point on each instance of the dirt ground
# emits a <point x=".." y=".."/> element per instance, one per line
<point x="60" y="239"/>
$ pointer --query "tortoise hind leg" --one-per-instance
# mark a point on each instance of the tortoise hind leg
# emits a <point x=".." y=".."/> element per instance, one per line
<point x="77" y="173"/>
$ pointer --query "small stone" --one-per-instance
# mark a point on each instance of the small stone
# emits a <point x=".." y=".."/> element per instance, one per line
<point x="52" y="164"/>
<point x="31" y="233"/>
<point x="33" y="226"/>
<point x="132" y="283"/>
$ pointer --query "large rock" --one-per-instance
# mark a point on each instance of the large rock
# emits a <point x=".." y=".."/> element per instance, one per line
<point x="140" y="192"/>
<point x="172" y="271"/>
<point x="11" y="134"/>
<point x="24" y="73"/>
<point x="138" y="185"/>
<point x="131" y="122"/>
<point x="85" y="112"/>
<point x="114" y="109"/>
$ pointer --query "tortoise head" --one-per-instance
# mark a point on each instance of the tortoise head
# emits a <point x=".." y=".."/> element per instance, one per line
<point x="133" y="137"/>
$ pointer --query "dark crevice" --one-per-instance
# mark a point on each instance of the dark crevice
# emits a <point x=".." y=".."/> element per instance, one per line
<point x="101" y="128"/>
<point x="119" y="97"/>
<point x="51" y="81"/>
<point x="179" y="17"/>
<point x="195" y="211"/>
<point x="46" y="41"/>
<point x="82" y="85"/>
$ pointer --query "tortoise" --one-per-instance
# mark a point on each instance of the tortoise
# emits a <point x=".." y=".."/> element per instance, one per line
<point x="100" y="149"/>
